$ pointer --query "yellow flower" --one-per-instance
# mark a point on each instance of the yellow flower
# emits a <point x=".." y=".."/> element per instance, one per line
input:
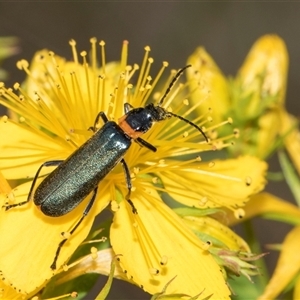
<point x="264" y="73"/>
<point x="211" y="86"/>
<point x="51" y="115"/>
<point x="253" y="98"/>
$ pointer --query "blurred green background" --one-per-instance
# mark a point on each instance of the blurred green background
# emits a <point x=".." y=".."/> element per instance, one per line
<point x="173" y="30"/>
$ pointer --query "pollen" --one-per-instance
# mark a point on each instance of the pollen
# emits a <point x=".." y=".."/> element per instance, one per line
<point x="248" y="180"/>
<point x="239" y="213"/>
<point x="135" y="225"/>
<point x="161" y="163"/>
<point x="74" y="294"/>
<point x="16" y="86"/>
<point x="94" y="252"/>
<point x="236" y="133"/>
<point x="206" y="245"/>
<point x="114" y="205"/>
<point x="203" y="201"/>
<point x="154" y="271"/>
<point x="185" y="134"/>
<point x="164" y="260"/>
<point x="136" y="170"/>
<point x="23" y="64"/>
<point x="211" y="164"/>
<point x="154" y="180"/>
<point x="65" y="267"/>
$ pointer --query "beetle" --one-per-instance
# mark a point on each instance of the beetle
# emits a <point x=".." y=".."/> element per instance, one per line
<point x="80" y="174"/>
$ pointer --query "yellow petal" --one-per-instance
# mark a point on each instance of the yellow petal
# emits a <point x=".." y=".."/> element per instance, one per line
<point x="287" y="267"/>
<point x="22" y="150"/>
<point x="216" y="230"/>
<point x="29" y="240"/>
<point x="266" y="204"/>
<point x="227" y="183"/>
<point x="4" y="185"/>
<point x="8" y="292"/>
<point x="155" y="246"/>
<point x="48" y="70"/>
<point x="208" y="85"/>
<point x="268" y="130"/>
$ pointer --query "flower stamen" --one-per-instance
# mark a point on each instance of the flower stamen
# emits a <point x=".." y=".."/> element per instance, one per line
<point x="141" y="74"/>
<point x="72" y="43"/>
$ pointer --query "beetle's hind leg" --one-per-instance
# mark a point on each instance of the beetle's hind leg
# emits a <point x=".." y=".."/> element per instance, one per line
<point x="85" y="213"/>
<point x="129" y="185"/>
<point x="50" y="163"/>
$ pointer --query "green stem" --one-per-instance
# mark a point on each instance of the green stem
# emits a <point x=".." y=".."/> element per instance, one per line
<point x="256" y="248"/>
<point x="291" y="177"/>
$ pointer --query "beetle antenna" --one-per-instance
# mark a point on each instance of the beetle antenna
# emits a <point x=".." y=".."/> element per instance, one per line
<point x="190" y="123"/>
<point x="172" y="83"/>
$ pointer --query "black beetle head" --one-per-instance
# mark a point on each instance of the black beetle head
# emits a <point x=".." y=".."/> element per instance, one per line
<point x="141" y="119"/>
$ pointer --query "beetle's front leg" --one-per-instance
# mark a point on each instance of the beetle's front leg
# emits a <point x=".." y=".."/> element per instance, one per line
<point x="101" y="115"/>
<point x="129" y="185"/>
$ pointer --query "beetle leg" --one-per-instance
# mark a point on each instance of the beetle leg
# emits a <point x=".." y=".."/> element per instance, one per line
<point x="143" y="143"/>
<point x="50" y="163"/>
<point x="101" y="115"/>
<point x="85" y="212"/>
<point x="129" y="185"/>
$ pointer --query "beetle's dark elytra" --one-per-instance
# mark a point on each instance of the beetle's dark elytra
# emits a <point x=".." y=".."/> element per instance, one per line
<point x="58" y="194"/>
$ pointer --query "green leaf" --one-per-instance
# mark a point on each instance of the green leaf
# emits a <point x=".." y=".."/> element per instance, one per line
<point x="82" y="285"/>
<point x="244" y="289"/>
<point x="291" y="176"/>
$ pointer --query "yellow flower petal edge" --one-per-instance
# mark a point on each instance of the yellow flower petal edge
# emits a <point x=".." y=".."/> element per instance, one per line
<point x="9" y="293"/>
<point x="155" y="246"/>
<point x="267" y="205"/>
<point x="29" y="241"/>
<point x="287" y="267"/>
<point x="218" y="183"/>
<point x="211" y="228"/>
<point x="24" y="151"/>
